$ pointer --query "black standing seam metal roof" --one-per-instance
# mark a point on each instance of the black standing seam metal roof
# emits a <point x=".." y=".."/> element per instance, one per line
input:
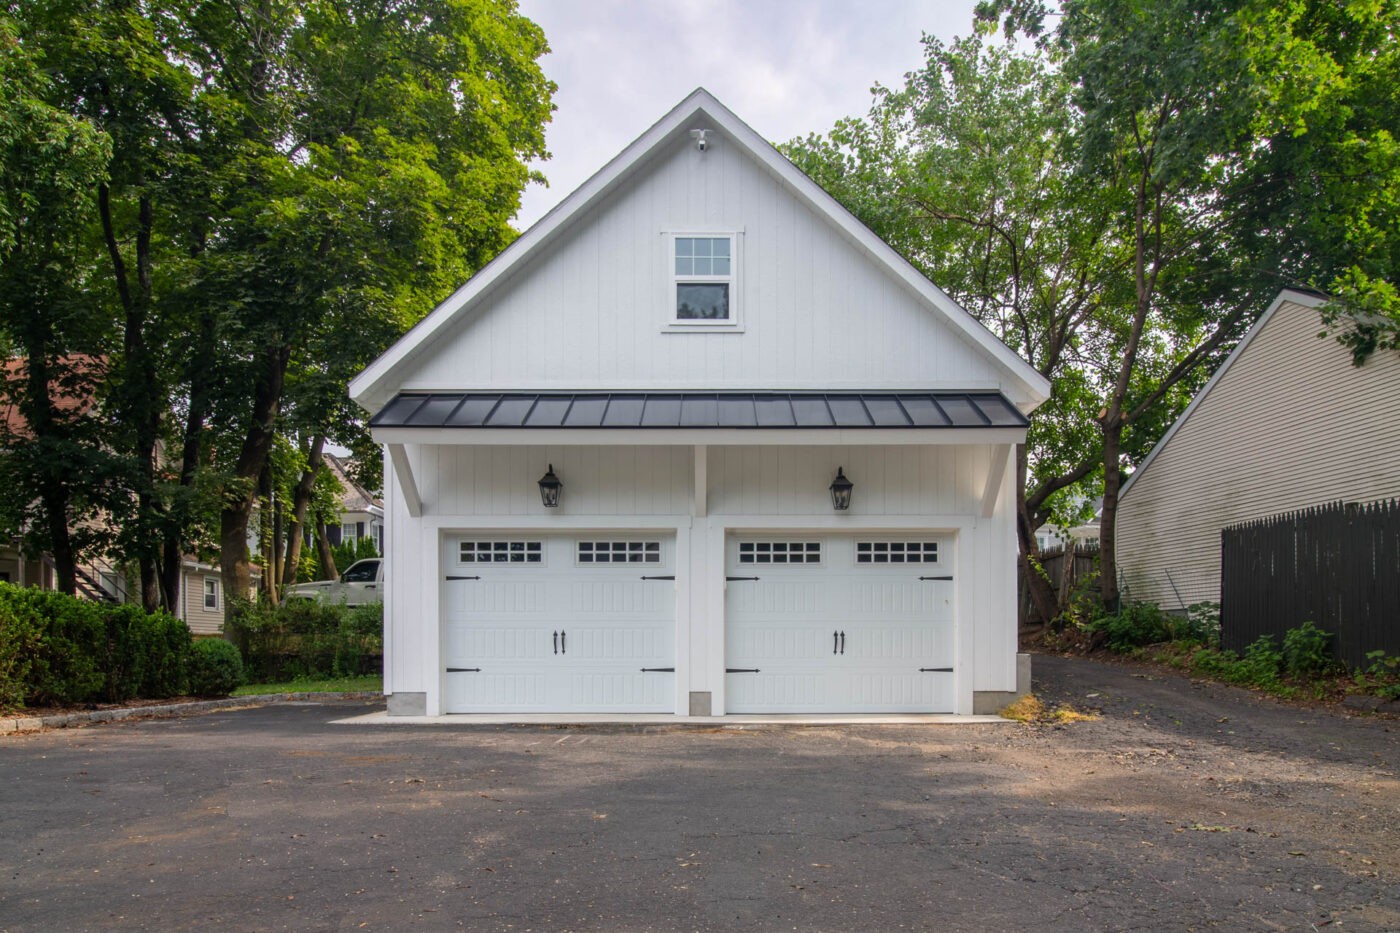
<point x="752" y="410"/>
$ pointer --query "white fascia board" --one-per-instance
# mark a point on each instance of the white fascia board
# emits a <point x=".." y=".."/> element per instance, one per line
<point x="1288" y="295"/>
<point x="371" y="389"/>
<point x="690" y="437"/>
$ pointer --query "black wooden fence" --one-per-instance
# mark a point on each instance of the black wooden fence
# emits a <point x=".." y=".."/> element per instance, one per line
<point x="1337" y="565"/>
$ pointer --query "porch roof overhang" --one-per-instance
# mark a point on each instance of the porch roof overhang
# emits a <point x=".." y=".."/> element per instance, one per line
<point x="647" y="418"/>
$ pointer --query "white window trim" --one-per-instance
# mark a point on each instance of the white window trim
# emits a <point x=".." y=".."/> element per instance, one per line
<point x="734" y="323"/>
<point x="211" y="590"/>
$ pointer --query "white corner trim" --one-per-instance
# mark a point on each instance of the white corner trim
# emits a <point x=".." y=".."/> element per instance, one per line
<point x="702" y="481"/>
<point x="994" y="476"/>
<point x="403" y="471"/>
<point x="1288" y="295"/>
<point x="373" y="386"/>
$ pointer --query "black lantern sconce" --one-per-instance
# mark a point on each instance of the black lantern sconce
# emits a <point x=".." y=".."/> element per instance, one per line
<point x="841" y="491"/>
<point x="550" y="486"/>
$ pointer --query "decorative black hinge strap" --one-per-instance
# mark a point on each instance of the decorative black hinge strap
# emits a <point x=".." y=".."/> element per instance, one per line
<point x="464" y="670"/>
<point x="741" y="670"/>
<point x="671" y="577"/>
<point x="659" y="670"/>
<point x="741" y="578"/>
<point x="935" y="670"/>
<point x="949" y="577"/>
<point x="464" y="578"/>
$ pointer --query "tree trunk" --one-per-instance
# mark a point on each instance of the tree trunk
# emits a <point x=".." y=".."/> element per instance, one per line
<point x="324" y="553"/>
<point x="1108" y="521"/>
<point x="200" y="382"/>
<point x="301" y="503"/>
<point x="1044" y="608"/>
<point x="241" y="493"/>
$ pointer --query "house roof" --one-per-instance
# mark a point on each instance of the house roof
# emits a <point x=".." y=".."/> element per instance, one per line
<point x="377" y="384"/>
<point x="72" y="388"/>
<point x="654" y="410"/>
<point x="353" y="496"/>
<point x="1308" y="299"/>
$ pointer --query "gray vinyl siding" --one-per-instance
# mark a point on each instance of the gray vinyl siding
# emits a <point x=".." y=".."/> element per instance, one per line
<point x="1289" y="424"/>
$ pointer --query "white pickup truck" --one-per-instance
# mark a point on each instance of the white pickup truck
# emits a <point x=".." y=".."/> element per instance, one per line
<point x="361" y="583"/>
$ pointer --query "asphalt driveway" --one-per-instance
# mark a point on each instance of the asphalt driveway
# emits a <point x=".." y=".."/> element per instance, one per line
<point x="1184" y="806"/>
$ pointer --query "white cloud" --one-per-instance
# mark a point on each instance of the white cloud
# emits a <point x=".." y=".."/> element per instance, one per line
<point x="786" y="67"/>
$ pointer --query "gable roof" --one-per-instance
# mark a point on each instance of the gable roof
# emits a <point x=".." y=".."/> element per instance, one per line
<point x="1289" y="295"/>
<point x="377" y="384"/>
<point x="353" y="496"/>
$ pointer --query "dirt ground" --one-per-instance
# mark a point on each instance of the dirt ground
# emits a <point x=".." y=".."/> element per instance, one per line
<point x="1183" y="806"/>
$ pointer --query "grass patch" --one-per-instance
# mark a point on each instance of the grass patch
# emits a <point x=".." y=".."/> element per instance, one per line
<point x="368" y="684"/>
<point x="1031" y="709"/>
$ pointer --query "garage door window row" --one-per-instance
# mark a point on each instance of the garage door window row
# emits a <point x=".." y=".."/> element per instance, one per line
<point x="780" y="552"/>
<point x="501" y="552"/>
<point x="619" y="552"/>
<point x="896" y="552"/>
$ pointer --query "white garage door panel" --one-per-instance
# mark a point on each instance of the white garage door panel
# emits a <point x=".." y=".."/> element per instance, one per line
<point x="558" y="634"/>
<point x="840" y="634"/>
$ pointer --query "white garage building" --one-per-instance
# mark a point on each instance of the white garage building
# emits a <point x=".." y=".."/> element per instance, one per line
<point x="614" y="459"/>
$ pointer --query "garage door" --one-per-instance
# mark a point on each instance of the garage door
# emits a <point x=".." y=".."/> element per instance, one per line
<point x="559" y="624"/>
<point x="838" y="624"/>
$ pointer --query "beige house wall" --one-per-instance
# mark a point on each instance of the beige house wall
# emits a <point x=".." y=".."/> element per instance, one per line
<point x="1287" y="423"/>
<point x="202" y="621"/>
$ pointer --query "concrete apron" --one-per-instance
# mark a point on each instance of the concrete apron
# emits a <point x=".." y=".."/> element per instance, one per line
<point x="382" y="718"/>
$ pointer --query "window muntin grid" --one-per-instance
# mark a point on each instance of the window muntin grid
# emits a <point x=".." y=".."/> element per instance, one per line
<point x="780" y="552"/>
<point x="896" y="552"/>
<point x="619" y="552"/>
<point x="501" y="552"/>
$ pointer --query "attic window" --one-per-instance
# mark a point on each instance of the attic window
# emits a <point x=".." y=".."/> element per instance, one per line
<point x="703" y="280"/>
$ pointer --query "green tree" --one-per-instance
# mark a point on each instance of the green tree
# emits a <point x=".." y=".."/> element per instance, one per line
<point x="57" y="476"/>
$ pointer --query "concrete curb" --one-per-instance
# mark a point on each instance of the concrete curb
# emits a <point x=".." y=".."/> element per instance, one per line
<point x="170" y="710"/>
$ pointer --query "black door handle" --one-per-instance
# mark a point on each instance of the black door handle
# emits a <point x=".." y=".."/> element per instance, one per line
<point x="556" y="642"/>
<point x="834" y="638"/>
<point x="563" y="642"/>
<point x="843" y="642"/>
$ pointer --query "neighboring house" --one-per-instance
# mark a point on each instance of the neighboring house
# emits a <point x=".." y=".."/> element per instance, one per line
<point x="361" y="514"/>
<point x="618" y="459"/>
<point x="201" y="604"/>
<point x="1287" y="422"/>
<point x="201" y="597"/>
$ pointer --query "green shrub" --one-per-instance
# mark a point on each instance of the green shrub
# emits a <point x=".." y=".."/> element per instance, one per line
<point x="147" y="654"/>
<point x="67" y="667"/>
<point x="1134" y="625"/>
<point x="21" y="633"/>
<point x="1261" y="663"/>
<point x="1307" y="651"/>
<point x="306" y="638"/>
<point x="1202" y="624"/>
<point x="216" y="668"/>
<point x="1381" y="677"/>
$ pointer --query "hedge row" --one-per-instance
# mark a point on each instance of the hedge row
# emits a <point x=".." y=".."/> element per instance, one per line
<point x="305" y="638"/>
<point x="56" y="650"/>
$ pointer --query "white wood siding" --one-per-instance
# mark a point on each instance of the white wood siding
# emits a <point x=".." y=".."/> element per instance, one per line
<point x="816" y="311"/>
<point x="1290" y="424"/>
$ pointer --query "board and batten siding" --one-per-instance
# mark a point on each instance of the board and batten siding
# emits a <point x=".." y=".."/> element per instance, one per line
<point x="1290" y="423"/>
<point x="929" y="489"/>
<point x="591" y="312"/>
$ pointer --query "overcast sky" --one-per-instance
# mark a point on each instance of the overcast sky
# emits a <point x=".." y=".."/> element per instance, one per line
<point x="786" y="67"/>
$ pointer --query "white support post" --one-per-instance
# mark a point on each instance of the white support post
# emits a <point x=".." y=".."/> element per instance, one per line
<point x="403" y="470"/>
<point x="702" y="481"/>
<point x="1000" y="456"/>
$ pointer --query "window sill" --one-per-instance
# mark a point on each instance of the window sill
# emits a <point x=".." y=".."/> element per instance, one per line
<point x="702" y="329"/>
